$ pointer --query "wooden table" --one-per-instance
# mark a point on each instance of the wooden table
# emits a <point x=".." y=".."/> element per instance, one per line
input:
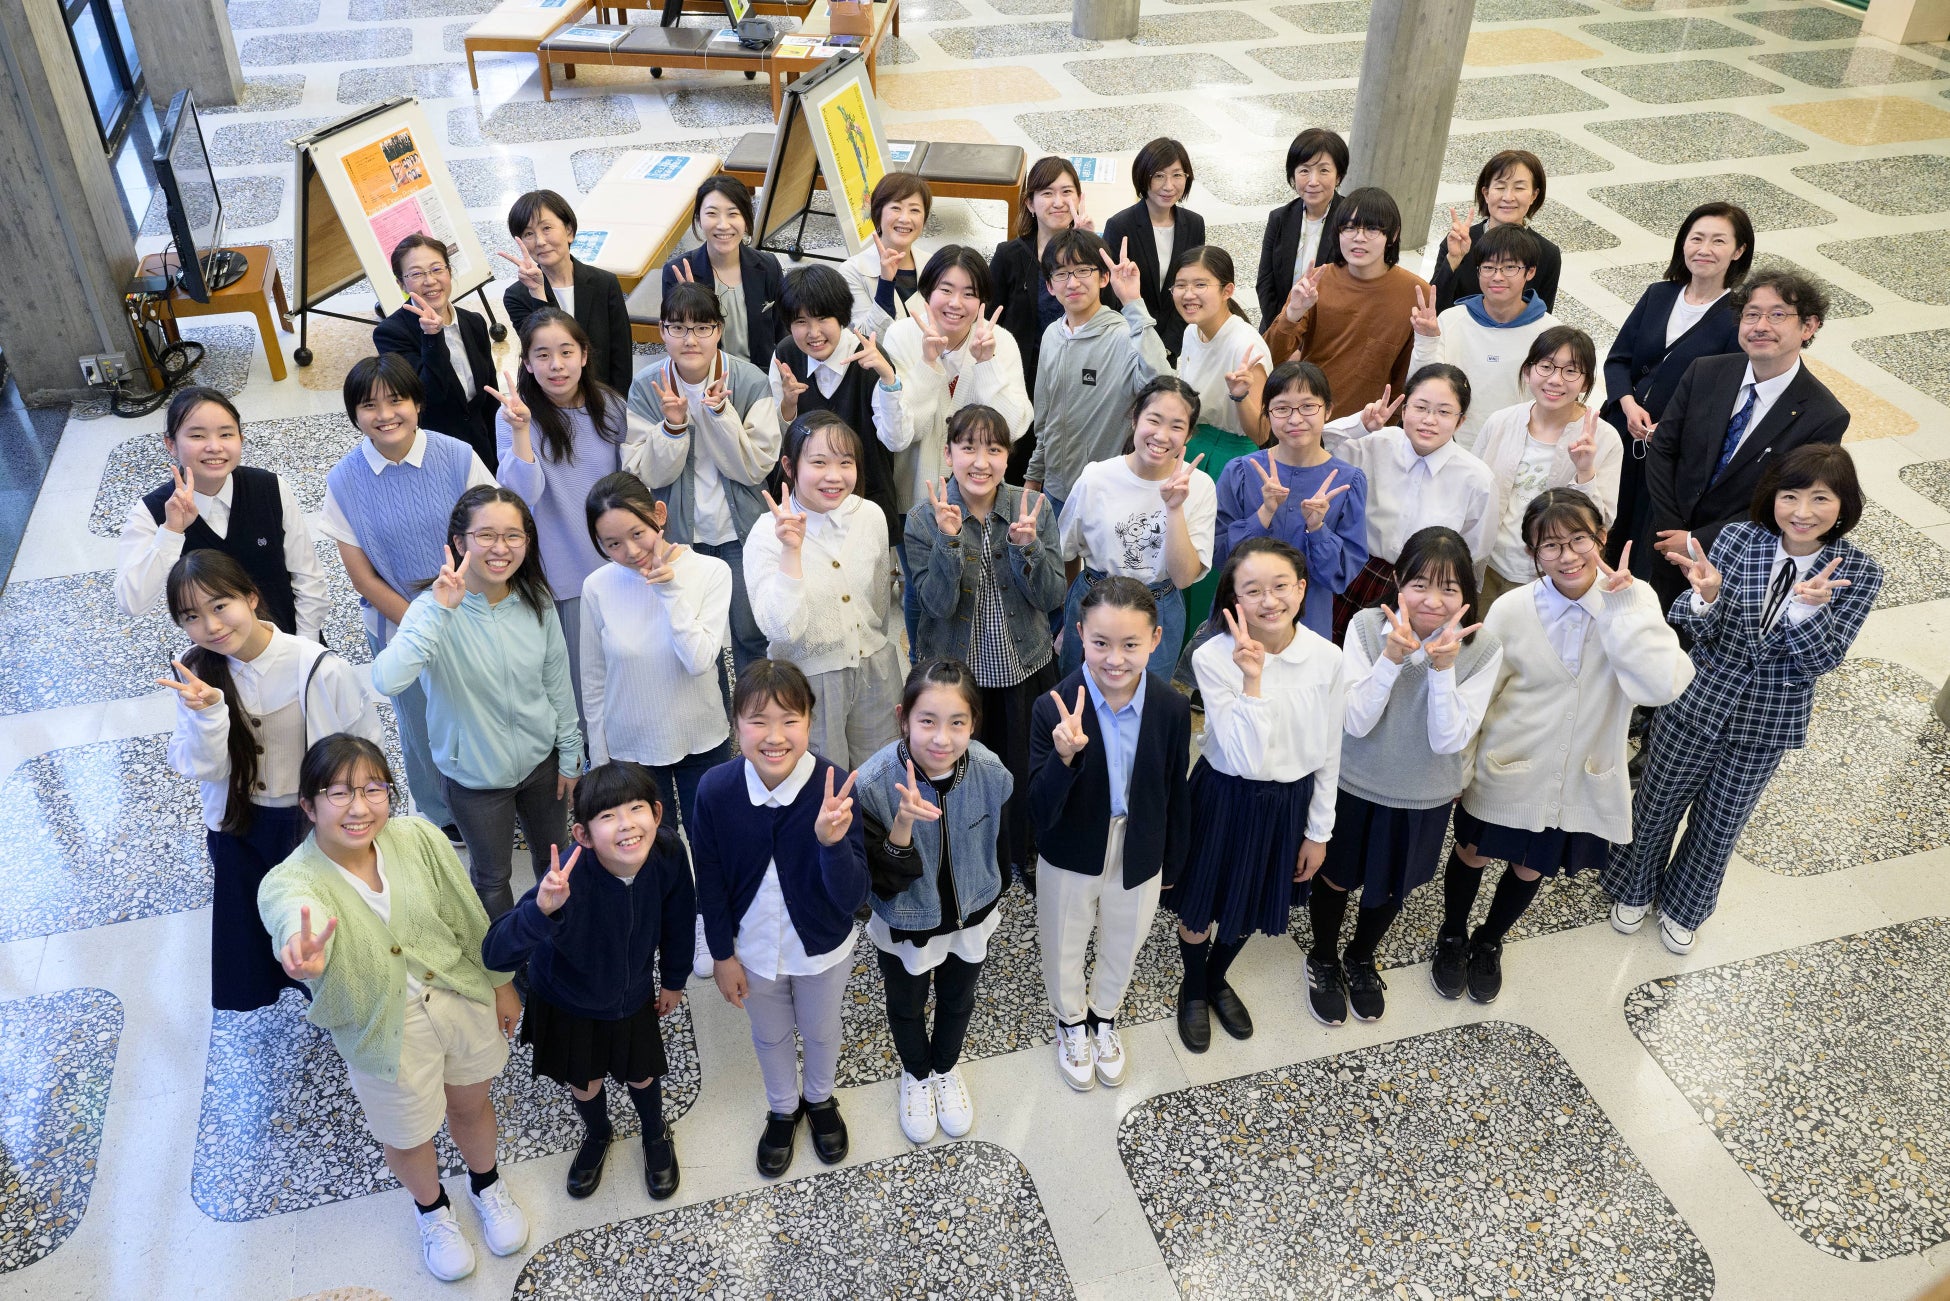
<point x="246" y="295"/>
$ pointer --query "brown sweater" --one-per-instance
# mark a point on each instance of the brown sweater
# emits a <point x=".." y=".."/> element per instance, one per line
<point x="1358" y="333"/>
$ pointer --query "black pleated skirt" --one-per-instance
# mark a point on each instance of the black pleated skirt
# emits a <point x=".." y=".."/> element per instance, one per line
<point x="577" y="1049"/>
<point x="1382" y="851"/>
<point x="1245" y="846"/>
<point x="1550" y="852"/>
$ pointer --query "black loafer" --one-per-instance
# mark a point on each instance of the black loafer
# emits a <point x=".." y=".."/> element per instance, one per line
<point x="1026" y="873"/>
<point x="775" y="1145"/>
<point x="660" y="1164"/>
<point x="1195" y="1024"/>
<point x="1232" y="1014"/>
<point x="828" y="1130"/>
<point x="586" y="1171"/>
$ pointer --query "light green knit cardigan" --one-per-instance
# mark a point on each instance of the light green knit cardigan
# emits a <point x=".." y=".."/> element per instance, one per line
<point x="436" y="933"/>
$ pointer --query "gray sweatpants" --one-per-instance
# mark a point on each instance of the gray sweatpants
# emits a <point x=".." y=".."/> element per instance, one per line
<point x="811" y="1006"/>
<point x="853" y="716"/>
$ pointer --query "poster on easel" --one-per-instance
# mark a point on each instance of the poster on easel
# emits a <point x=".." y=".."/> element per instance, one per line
<point x="829" y="127"/>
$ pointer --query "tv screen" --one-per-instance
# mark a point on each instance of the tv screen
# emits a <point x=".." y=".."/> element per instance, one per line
<point x="195" y="208"/>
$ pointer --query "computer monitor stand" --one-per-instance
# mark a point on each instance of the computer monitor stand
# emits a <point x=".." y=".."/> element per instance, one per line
<point x="222" y="269"/>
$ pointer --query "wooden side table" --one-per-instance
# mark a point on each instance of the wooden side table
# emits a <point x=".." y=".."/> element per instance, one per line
<point x="247" y="295"/>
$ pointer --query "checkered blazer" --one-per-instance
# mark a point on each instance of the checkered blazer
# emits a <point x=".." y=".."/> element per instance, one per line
<point x="1755" y="685"/>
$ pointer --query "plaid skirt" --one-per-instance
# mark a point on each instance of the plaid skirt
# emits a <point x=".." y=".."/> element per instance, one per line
<point x="1374" y="585"/>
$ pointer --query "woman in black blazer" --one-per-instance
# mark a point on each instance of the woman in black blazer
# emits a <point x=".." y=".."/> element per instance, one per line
<point x="1509" y="190"/>
<point x="1316" y="162"/>
<point x="447" y="344"/>
<point x="544" y="224"/>
<point x="1674" y="323"/>
<point x="721" y="216"/>
<point x="1162" y="175"/>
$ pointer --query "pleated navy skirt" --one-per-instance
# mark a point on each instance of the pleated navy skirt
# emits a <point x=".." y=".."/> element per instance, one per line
<point x="1382" y="851"/>
<point x="245" y="972"/>
<point x="1550" y="852"/>
<point x="577" y="1050"/>
<point x="1245" y="846"/>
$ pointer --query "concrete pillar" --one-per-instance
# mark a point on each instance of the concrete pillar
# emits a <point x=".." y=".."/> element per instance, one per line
<point x="186" y="45"/>
<point x="1907" y="22"/>
<point x="1409" y="73"/>
<point x="72" y="250"/>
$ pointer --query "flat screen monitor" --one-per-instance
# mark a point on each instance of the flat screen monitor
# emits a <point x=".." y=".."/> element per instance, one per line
<point x="195" y="207"/>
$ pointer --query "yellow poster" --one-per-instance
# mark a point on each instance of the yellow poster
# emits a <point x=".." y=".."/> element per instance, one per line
<point x="849" y="131"/>
<point x="386" y="171"/>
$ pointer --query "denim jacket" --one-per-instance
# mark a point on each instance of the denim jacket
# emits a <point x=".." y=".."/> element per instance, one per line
<point x="970" y="821"/>
<point x="1031" y="580"/>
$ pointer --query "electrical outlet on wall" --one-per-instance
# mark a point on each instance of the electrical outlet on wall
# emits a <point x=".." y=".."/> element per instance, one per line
<point x="91" y="371"/>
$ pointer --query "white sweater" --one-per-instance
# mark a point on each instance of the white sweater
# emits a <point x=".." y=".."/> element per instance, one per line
<point x="997" y="383"/>
<point x="835" y="615"/>
<point x="650" y="661"/>
<point x="1551" y="752"/>
<point x="1500" y="445"/>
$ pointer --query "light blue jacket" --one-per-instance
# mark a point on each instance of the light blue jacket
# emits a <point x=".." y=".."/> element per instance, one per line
<point x="971" y="821"/>
<point x="497" y="684"/>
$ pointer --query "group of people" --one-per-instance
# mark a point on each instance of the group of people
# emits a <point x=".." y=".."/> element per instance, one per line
<point x="893" y="584"/>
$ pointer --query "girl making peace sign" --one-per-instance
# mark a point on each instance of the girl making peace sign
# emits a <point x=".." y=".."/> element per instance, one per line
<point x="485" y="642"/>
<point x="249" y="699"/>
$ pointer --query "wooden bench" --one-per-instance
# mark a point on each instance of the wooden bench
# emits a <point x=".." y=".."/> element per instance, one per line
<point x="952" y="171"/>
<point x="519" y="27"/>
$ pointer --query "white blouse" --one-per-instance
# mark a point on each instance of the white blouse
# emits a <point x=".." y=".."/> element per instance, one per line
<point x="1455" y="708"/>
<point x="1292" y="728"/>
<point x="1204" y="364"/>
<point x="650" y="656"/>
<point x="1408" y="491"/>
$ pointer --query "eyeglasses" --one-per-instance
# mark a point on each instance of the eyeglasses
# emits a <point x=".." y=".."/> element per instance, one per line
<point x="1582" y="543"/>
<point x="487" y="540"/>
<point x="377" y="794"/>
<point x="1172" y="177"/>
<point x="1072" y="275"/>
<point x="1296" y="410"/>
<point x="684" y="332"/>
<point x="1570" y="370"/>
<point x="1279" y="591"/>
<point x="422" y="277"/>
<point x="1500" y="271"/>
<point x="1440" y="413"/>
<point x="1779" y="316"/>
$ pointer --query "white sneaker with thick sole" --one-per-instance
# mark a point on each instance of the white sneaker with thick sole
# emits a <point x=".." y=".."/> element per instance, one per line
<point x="443" y="1246"/>
<point x="1626" y="918"/>
<point x="1073" y="1057"/>
<point x="503" y="1225"/>
<point x="701" y="964"/>
<point x="917" y="1109"/>
<point x="1675" y="937"/>
<point x="1110" y="1055"/>
<point x="952" y="1103"/>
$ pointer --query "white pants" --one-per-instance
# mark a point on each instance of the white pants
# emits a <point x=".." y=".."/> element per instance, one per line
<point x="1069" y="905"/>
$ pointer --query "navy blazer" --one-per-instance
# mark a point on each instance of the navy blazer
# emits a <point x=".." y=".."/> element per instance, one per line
<point x="450" y="409"/>
<point x="763" y="284"/>
<point x="1452" y="287"/>
<point x="1281" y="246"/>
<point x="600" y="310"/>
<point x="1755" y="686"/>
<point x="1071" y="801"/>
<point x="1642" y="365"/>
<point x="1134" y="224"/>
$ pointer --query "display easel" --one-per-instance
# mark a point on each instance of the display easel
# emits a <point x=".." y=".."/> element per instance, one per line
<point x="344" y="205"/>
<point x="835" y="96"/>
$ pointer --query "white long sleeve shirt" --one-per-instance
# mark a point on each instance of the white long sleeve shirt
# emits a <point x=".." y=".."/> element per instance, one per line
<point x="890" y="423"/>
<point x="1455" y="709"/>
<point x="1408" y="491"/>
<point x="932" y="393"/>
<point x="1290" y="729"/>
<point x="834" y="616"/>
<point x="650" y="656"/>
<point x="767" y="943"/>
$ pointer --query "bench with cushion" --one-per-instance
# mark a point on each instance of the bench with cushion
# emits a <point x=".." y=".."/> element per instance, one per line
<point x="952" y="171"/>
<point x="637" y="214"/>
<point x="519" y="27"/>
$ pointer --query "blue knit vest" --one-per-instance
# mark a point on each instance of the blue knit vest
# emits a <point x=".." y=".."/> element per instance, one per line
<point x="400" y="514"/>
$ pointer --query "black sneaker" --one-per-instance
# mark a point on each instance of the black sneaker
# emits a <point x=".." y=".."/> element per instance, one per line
<point x="775" y="1144"/>
<point x="586" y="1171"/>
<point x="452" y="833"/>
<point x="828" y="1130"/>
<point x="1364" y="986"/>
<point x="660" y="1164"/>
<point x="1449" y="970"/>
<point x="1326" y="997"/>
<point x="1485" y="970"/>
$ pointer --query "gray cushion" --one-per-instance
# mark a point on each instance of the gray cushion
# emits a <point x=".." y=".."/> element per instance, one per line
<point x="752" y="153"/>
<point x="973" y="164"/>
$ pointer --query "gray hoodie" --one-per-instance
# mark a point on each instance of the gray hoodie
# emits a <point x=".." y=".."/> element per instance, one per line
<point x="1085" y="384"/>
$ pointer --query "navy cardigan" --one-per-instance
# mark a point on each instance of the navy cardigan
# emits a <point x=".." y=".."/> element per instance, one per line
<point x="732" y="842"/>
<point x="593" y="957"/>
<point x="1071" y="802"/>
<point x="1642" y="365"/>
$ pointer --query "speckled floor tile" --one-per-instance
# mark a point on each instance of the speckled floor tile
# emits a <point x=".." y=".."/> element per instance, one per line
<point x="1108" y="130"/>
<point x="1670" y="35"/>
<point x="1921" y="359"/>
<point x="1914" y="266"/>
<point x="228" y="351"/>
<point x="965" y="88"/>
<point x="935" y="11"/>
<point x="492" y="182"/>
<point x="281" y="1130"/>
<point x="1570" y="230"/>
<point x="247" y="201"/>
<point x="381" y="10"/>
<point x="240" y="144"/>
<point x="1839" y="67"/>
<point x="1242" y="240"/>
<point x="453" y="34"/>
<point x="530" y="121"/>
<point x="1870" y="414"/>
<point x="1534" y="11"/>
<point x="1649" y="6"/>
<point x="264" y="92"/>
<point x="1466" y="154"/>
<point x="247" y="14"/>
<point x="1037" y="8"/>
<point x="716" y="106"/>
<point x="1320" y="61"/>
<point x="1468" y="1162"/>
<point x="963" y="1216"/>
<point x="1154" y="72"/>
<point x="1915" y="568"/>
<point x="1905" y="185"/>
<point x="1660" y="206"/>
<point x="1199" y="29"/>
<point x="1869" y="119"/>
<point x="1506" y="47"/>
<point x="1289" y="114"/>
<point x="1334" y="18"/>
<point x="1572" y="312"/>
<point x="1012" y="1005"/>
<point x="1684" y="82"/>
<point x="1694" y="137"/>
<point x="425" y="81"/>
<point x="1873" y="781"/>
<point x="896" y="50"/>
<point x="1630" y="280"/>
<point x="1008" y="40"/>
<point x="1929" y="478"/>
<point x="302" y="449"/>
<point x="1806" y="23"/>
<point x="57" y="1059"/>
<point x="1522" y="94"/>
<point x="1821" y="1071"/>
<point x="345" y="45"/>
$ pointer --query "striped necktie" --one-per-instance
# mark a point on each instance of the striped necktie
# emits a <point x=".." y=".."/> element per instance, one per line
<point x="1736" y="427"/>
<point x="1777" y="594"/>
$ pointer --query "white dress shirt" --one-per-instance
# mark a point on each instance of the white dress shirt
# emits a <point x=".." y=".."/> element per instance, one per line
<point x="148" y="551"/>
<point x="1290" y="729"/>
<point x="457" y="353"/>
<point x="890" y="423"/>
<point x="1408" y="491"/>
<point x="1456" y="709"/>
<point x="1566" y="621"/>
<point x="1794" y="609"/>
<point x="1769" y="391"/>
<point x="767" y="944"/>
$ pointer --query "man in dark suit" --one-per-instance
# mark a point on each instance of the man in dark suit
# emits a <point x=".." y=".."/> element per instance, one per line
<point x="447" y="344"/>
<point x="1733" y="416"/>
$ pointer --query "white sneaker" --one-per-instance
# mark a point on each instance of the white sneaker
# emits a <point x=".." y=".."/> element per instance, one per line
<point x="1073" y="1056"/>
<point x="503" y="1226"/>
<point x="443" y="1246"/>
<point x="952" y="1103"/>
<point x="1675" y="937"/>
<point x="917" y="1109"/>
<point x="701" y="964"/>
<point x="1110" y="1055"/>
<point x="1626" y="918"/>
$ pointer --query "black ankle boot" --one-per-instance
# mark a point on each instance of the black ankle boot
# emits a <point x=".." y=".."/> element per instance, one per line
<point x="775" y="1145"/>
<point x="828" y="1129"/>
<point x="660" y="1164"/>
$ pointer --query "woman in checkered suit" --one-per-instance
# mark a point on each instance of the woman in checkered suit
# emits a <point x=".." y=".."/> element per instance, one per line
<point x="1774" y="606"/>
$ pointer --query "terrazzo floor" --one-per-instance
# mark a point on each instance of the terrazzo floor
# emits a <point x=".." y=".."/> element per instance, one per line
<point x="1759" y="1119"/>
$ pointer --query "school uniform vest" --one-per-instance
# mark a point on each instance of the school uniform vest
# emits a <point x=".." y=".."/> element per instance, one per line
<point x="1393" y="765"/>
<point x="400" y="514"/>
<point x="852" y="402"/>
<point x="255" y="539"/>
